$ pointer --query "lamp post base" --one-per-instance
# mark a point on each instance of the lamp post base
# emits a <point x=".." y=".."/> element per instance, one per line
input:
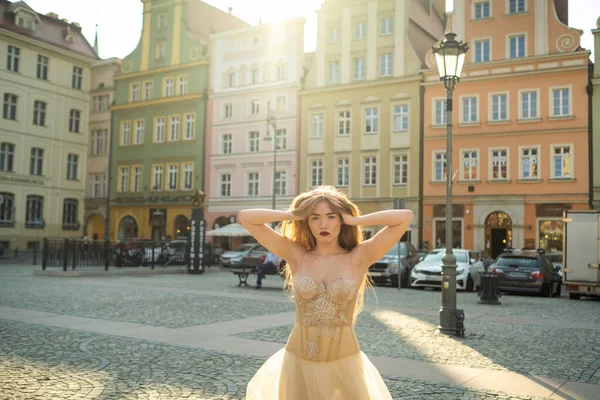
<point x="448" y="309"/>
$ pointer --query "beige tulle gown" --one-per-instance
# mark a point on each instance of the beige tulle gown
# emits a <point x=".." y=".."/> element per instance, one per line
<point x="322" y="359"/>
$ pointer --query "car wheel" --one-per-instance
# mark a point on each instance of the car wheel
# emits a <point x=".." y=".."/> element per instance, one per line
<point x="574" y="296"/>
<point x="470" y="284"/>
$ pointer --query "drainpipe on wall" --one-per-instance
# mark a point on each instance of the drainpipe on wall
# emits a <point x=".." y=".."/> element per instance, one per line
<point x="108" y="180"/>
<point x="590" y="93"/>
<point x="421" y="152"/>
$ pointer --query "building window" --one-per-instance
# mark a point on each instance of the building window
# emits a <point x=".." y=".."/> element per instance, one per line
<point x="529" y="105"/>
<point x="135" y="92"/>
<point x="316" y="130"/>
<point x="440" y="112"/>
<point x="226" y="143"/>
<point x="168" y="87"/>
<point x="7" y="210"/>
<point x="254" y="76"/>
<point x="439" y="166"/>
<point x="469" y="165"/>
<point x="316" y="173"/>
<point x="562" y="162"/>
<point x="174" y="125"/>
<point x="344" y="123"/>
<point x="225" y="185"/>
<point x="162" y="21"/>
<point x="34" y="212"/>
<point x="371" y="120"/>
<point x="281" y="103"/>
<point x="98" y="186"/>
<point x="39" y="113"/>
<point x="37" y="161"/>
<point x="72" y="167"/>
<point x="190" y="123"/>
<point x="99" y="103"/>
<point x="9" y="109"/>
<point x="551" y="235"/>
<point x="359" y="68"/>
<point x="188" y="175"/>
<point x="401" y="169"/>
<point x="139" y="131"/>
<point x="253" y="142"/>
<point x="370" y="171"/>
<point x="482" y="9"/>
<point x="386" y="27"/>
<point x="517" y="46"/>
<point x="499" y="164"/>
<point x="99" y="142"/>
<point x="343" y="172"/>
<point x="74" y="120"/>
<point x="482" y="50"/>
<point x="157" y="178"/>
<point x="401" y="118"/>
<point x="227" y="110"/>
<point x="7" y="156"/>
<point x="252" y="184"/>
<point x="173" y="173"/>
<point x="360" y="30"/>
<point x="161" y="50"/>
<point x="499" y="107"/>
<point x="125" y="133"/>
<point x="231" y="78"/>
<point x="12" y="61"/>
<point x="334" y="34"/>
<point x="42" y="67"/>
<point x="334" y="72"/>
<point x="560" y="102"/>
<point x="281" y="139"/>
<point x="469" y="105"/>
<point x="385" y="64"/>
<point x="255" y="107"/>
<point x="440" y="233"/>
<point x="123" y="179"/>
<point x="148" y="90"/>
<point x="159" y="127"/>
<point x="529" y="163"/>
<point x="280" y="183"/>
<point x="77" y="77"/>
<point x="516" y="6"/>
<point x="183" y="83"/>
<point x="280" y="72"/>
<point x="137" y="179"/>
<point x="70" y="211"/>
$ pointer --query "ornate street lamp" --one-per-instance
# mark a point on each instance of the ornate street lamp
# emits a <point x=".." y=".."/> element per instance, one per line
<point x="272" y="122"/>
<point x="450" y="58"/>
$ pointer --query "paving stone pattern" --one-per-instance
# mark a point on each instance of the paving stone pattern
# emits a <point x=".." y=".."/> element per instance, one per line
<point x="51" y="363"/>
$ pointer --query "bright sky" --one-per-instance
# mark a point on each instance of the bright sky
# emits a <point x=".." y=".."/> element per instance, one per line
<point x="120" y="21"/>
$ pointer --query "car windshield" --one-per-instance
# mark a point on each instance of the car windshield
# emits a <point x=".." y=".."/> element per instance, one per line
<point x="437" y="255"/>
<point x="394" y="250"/>
<point x="519" y="262"/>
<point x="243" y="247"/>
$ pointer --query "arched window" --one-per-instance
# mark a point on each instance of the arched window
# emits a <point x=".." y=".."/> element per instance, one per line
<point x="7" y="209"/>
<point x="70" y="220"/>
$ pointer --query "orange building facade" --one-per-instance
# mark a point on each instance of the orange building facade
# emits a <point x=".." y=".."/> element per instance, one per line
<point x="520" y="128"/>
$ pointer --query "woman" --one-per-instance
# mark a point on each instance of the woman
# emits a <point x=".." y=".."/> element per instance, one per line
<point x="327" y="264"/>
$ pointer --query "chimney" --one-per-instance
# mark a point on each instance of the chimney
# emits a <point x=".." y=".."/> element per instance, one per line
<point x="52" y="15"/>
<point x="76" y="24"/>
<point x="66" y="21"/>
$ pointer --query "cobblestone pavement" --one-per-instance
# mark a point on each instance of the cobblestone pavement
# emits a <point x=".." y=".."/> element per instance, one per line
<point x="39" y="361"/>
<point x="52" y="363"/>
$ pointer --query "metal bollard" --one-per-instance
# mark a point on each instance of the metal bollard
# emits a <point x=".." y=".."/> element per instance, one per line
<point x="489" y="290"/>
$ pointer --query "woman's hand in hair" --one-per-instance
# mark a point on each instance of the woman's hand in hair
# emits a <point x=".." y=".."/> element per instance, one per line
<point x="350" y="219"/>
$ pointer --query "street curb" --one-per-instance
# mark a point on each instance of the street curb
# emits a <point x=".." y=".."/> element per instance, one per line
<point x="110" y="272"/>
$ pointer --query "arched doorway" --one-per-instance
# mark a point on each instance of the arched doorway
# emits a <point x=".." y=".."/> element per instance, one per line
<point x="498" y="232"/>
<point x="95" y="227"/>
<point x="182" y="227"/>
<point x="128" y="228"/>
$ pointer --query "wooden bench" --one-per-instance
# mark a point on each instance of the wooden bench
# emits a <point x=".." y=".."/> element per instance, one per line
<point x="243" y="272"/>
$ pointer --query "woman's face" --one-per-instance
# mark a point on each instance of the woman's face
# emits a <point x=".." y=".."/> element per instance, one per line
<point x="324" y="223"/>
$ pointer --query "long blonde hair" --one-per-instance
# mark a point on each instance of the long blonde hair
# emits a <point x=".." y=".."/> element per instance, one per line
<point x="299" y="232"/>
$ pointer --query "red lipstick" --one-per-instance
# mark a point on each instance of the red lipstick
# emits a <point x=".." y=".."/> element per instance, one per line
<point x="324" y="233"/>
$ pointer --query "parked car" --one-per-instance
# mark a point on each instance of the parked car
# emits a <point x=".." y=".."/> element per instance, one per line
<point x="385" y="270"/>
<point x="527" y="271"/>
<point x="174" y="251"/>
<point x="233" y="257"/>
<point x="252" y="258"/>
<point x="428" y="273"/>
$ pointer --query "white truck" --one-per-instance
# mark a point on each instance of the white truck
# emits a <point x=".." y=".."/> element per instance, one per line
<point x="581" y="253"/>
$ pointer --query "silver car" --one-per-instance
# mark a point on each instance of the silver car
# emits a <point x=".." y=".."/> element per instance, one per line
<point x="234" y="257"/>
<point x="428" y="273"/>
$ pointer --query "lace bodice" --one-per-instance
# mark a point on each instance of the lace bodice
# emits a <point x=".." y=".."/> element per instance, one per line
<point x="324" y="318"/>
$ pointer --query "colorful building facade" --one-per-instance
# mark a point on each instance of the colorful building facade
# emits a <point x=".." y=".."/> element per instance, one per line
<point x="157" y="158"/>
<point x="595" y="134"/>
<point x="253" y="104"/>
<point x="44" y="86"/>
<point x="520" y="128"/>
<point x="360" y="106"/>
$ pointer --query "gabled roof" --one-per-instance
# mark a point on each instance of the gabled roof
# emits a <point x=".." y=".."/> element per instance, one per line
<point x="49" y="29"/>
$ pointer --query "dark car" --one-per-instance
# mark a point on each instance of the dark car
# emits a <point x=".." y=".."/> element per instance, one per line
<point x="526" y="271"/>
<point x="385" y="270"/>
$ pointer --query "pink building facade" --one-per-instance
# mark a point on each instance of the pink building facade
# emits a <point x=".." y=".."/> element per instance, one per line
<point x="253" y="104"/>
